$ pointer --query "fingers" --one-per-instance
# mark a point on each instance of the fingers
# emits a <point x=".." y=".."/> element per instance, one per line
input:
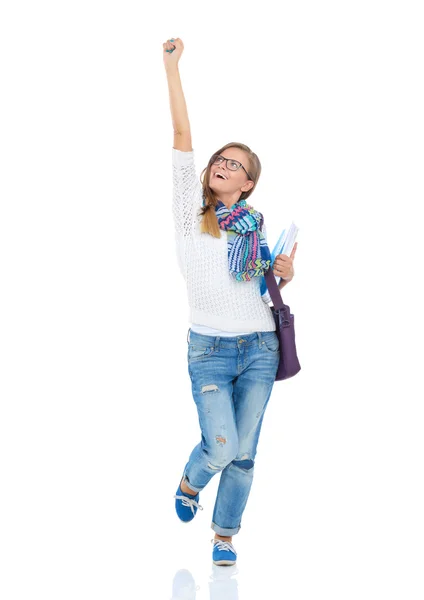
<point x="283" y="260"/>
<point x="171" y="44"/>
<point x="284" y="273"/>
<point x="283" y="266"/>
<point x="293" y="252"/>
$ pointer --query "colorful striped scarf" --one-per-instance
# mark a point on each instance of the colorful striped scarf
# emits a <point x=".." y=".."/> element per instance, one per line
<point x="248" y="252"/>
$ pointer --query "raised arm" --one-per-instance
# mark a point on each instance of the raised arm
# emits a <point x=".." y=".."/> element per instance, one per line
<point x="180" y="122"/>
<point x="187" y="187"/>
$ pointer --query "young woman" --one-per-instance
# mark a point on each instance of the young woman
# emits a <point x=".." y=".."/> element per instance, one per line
<point x="233" y="349"/>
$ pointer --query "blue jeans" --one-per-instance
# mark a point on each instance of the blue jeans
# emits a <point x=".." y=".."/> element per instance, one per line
<point x="232" y="379"/>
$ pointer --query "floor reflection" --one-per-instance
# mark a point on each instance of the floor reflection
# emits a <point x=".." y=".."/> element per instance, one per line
<point x="222" y="584"/>
<point x="184" y="587"/>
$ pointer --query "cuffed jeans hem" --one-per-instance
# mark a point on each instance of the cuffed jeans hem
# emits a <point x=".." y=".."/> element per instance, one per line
<point x="225" y="532"/>
<point x="192" y="487"/>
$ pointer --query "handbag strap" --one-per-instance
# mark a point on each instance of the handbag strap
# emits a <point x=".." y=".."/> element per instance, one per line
<point x="277" y="299"/>
<point x="274" y="292"/>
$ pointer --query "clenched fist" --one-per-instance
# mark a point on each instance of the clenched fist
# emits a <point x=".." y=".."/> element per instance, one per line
<point x="172" y="50"/>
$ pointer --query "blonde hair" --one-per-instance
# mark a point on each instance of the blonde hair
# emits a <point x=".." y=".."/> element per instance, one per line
<point x="209" y="222"/>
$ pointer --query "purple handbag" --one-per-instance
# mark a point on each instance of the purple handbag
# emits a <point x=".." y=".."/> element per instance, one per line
<point x="284" y="321"/>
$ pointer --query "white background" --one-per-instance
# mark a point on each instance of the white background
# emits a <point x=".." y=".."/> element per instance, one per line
<point x="97" y="418"/>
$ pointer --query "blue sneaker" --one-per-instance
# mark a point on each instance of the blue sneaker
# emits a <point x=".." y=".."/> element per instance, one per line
<point x="223" y="553"/>
<point x="186" y="505"/>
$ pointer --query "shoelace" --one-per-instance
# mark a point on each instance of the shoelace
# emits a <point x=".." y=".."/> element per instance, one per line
<point x="224" y="545"/>
<point x="191" y="502"/>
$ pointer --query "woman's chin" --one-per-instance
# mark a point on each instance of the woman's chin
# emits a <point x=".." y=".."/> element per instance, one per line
<point x="213" y="186"/>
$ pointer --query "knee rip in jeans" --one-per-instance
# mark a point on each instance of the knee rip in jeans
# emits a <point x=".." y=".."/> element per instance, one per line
<point x="244" y="462"/>
<point x="214" y="467"/>
<point x="210" y="388"/>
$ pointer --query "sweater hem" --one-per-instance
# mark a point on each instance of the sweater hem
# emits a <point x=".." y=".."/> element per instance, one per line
<point x="228" y="324"/>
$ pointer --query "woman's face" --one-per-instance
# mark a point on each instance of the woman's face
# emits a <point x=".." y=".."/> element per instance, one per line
<point x="230" y="181"/>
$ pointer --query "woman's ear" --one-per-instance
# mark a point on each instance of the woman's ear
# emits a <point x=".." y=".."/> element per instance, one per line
<point x="247" y="186"/>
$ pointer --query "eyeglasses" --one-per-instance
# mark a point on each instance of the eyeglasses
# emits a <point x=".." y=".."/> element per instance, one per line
<point x="232" y="164"/>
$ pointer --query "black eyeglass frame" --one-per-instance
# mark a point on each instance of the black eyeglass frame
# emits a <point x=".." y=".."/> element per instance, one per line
<point x="226" y="162"/>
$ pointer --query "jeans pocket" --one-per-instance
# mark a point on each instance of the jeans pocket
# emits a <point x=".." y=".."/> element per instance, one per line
<point x="199" y="352"/>
<point x="271" y="343"/>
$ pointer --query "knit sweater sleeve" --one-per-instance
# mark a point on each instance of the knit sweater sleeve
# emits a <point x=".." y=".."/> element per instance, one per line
<point x="187" y="190"/>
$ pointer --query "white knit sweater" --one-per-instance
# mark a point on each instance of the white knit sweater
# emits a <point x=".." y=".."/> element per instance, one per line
<point x="215" y="298"/>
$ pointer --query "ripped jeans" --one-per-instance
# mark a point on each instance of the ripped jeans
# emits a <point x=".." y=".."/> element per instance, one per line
<point x="232" y="379"/>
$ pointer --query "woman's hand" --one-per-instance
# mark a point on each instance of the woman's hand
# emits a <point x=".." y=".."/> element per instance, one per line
<point x="172" y="50"/>
<point x="283" y="265"/>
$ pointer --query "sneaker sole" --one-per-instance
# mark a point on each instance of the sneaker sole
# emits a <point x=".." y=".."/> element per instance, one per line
<point x="182" y="520"/>
<point x="224" y="562"/>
